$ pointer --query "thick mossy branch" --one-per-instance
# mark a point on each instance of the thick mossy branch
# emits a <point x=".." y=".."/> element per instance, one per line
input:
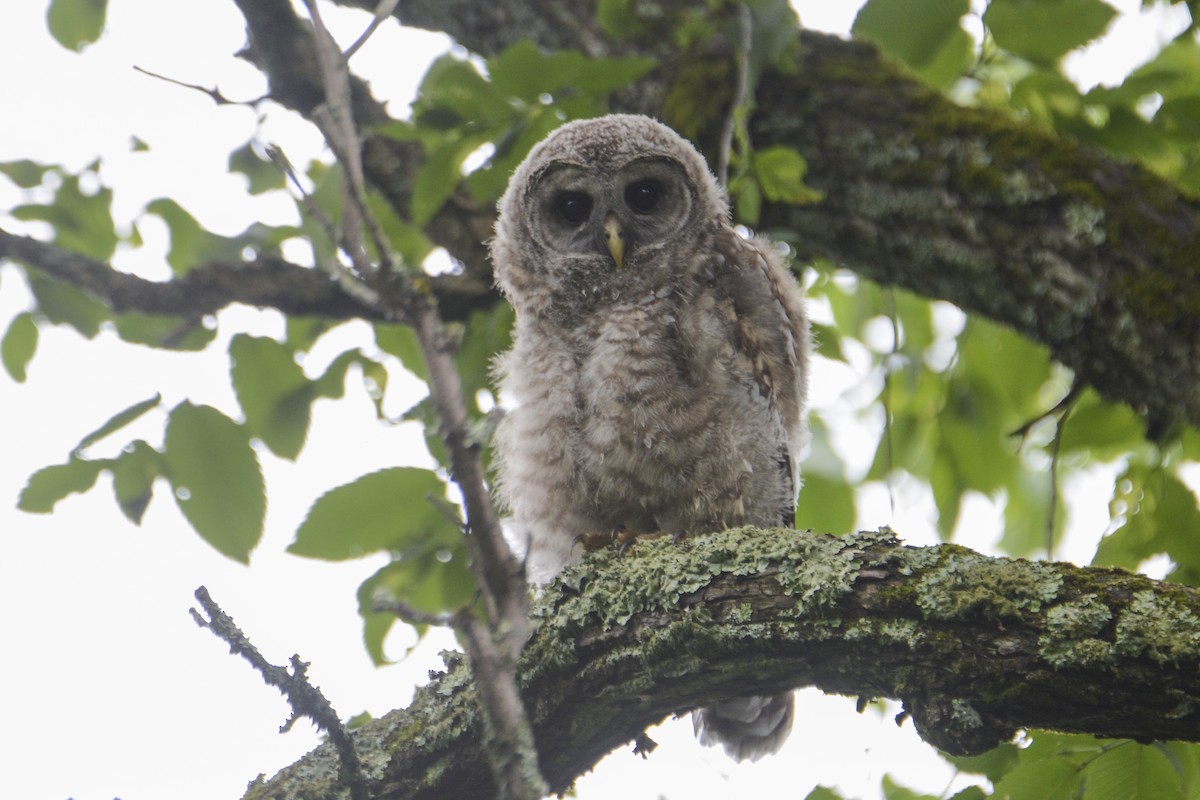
<point x="1096" y="259"/>
<point x="975" y="647"/>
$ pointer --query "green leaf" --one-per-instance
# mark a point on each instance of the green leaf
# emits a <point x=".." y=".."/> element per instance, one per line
<point x="401" y="341"/>
<point x="823" y="793"/>
<point x="485" y="334"/>
<point x="1161" y="516"/>
<point x="217" y="481"/>
<point x="1101" y="429"/>
<point x="1130" y="771"/>
<point x="924" y="34"/>
<point x="392" y="509"/>
<point x="192" y="245"/>
<point x="435" y="580"/>
<point x="993" y="764"/>
<point x="64" y="304"/>
<point x="118" y="421"/>
<point x="261" y="174"/>
<point x="1044" y="779"/>
<point x="82" y="220"/>
<point x="50" y="484"/>
<point x="74" y="23"/>
<point x="523" y="71"/>
<point x="780" y="171"/>
<point x="894" y="791"/>
<point x="826" y="505"/>
<point x="133" y="473"/>
<point x="618" y="19"/>
<point x="274" y="394"/>
<point x="25" y="173"/>
<point x="1043" y="31"/>
<point x="18" y="346"/>
<point x="164" y="331"/>
<point x="970" y="793"/>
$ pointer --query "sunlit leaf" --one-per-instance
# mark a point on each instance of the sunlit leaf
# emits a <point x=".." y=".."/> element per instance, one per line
<point x="780" y="171"/>
<point x="1102" y="429"/>
<point x="134" y="472"/>
<point x="993" y="764"/>
<point x="1130" y="771"/>
<point x="386" y="510"/>
<point x="925" y="34"/>
<point x="118" y="421"/>
<point x="526" y="72"/>
<point x="401" y="342"/>
<point x="217" y="481"/>
<point x="1045" y="30"/>
<point x="164" y="331"/>
<point x="74" y="23"/>
<point x="25" y="173"/>
<point x="823" y="793"/>
<point x="261" y="174"/>
<point x="433" y="581"/>
<point x="894" y="791"/>
<point x="1045" y="779"/>
<point x="50" y="484"/>
<point x="64" y="304"/>
<point x="18" y="345"/>
<point x="273" y="392"/>
<point x="826" y="505"/>
<point x="81" y="219"/>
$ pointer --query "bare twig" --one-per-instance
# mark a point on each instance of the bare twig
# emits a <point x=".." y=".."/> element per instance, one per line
<point x="214" y="93"/>
<point x="384" y="603"/>
<point x="382" y="12"/>
<point x="305" y="699"/>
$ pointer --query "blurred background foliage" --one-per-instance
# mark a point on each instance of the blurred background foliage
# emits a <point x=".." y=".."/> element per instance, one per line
<point x="936" y="407"/>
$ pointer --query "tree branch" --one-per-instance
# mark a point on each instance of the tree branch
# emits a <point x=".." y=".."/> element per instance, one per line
<point x="975" y="647"/>
<point x="265" y="282"/>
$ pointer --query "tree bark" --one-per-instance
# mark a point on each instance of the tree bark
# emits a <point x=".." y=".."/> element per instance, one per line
<point x="975" y="647"/>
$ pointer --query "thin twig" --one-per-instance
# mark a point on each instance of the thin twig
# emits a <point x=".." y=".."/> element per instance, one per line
<point x="384" y="603"/>
<point x="346" y="279"/>
<point x="382" y="12"/>
<point x="1059" y="408"/>
<point x="213" y="93"/>
<point x="305" y="699"/>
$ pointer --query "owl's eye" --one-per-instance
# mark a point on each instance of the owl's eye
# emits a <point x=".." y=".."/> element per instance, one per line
<point x="643" y="196"/>
<point x="573" y="207"/>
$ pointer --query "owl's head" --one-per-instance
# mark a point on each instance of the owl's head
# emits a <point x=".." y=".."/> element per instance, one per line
<point x="598" y="207"/>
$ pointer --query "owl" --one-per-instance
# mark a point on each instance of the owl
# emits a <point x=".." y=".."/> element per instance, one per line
<point x="659" y="363"/>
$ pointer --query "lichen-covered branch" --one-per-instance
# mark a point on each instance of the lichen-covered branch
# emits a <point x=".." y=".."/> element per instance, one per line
<point x="975" y="647"/>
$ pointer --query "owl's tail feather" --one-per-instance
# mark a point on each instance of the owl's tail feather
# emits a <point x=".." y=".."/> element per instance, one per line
<point x="747" y="727"/>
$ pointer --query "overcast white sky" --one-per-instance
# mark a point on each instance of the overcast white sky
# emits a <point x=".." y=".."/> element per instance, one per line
<point x="112" y="690"/>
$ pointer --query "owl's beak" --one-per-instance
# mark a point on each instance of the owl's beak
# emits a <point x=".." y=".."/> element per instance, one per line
<point x="615" y="239"/>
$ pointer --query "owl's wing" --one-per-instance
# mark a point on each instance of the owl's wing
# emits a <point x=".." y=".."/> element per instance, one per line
<point x="771" y="331"/>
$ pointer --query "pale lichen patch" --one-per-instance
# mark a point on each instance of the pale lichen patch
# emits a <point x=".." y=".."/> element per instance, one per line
<point x="968" y="585"/>
<point x="1157" y="627"/>
<point x="1070" y="638"/>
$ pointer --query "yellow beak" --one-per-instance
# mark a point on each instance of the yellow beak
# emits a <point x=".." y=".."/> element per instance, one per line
<point x="615" y="239"/>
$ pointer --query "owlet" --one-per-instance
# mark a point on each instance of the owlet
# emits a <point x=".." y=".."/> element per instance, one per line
<point x="659" y="363"/>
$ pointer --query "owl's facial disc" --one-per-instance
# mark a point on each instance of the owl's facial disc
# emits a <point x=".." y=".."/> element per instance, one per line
<point x="610" y="212"/>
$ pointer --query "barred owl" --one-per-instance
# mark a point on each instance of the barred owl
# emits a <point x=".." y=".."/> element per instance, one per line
<point x="659" y="363"/>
